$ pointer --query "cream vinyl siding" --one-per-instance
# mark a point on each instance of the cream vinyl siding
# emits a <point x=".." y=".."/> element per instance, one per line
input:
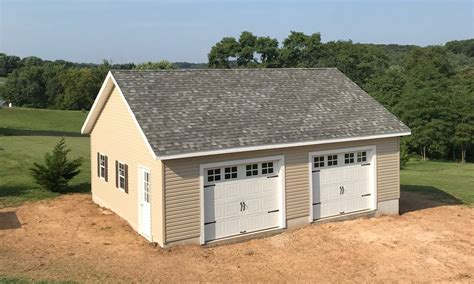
<point x="116" y="135"/>
<point x="182" y="205"/>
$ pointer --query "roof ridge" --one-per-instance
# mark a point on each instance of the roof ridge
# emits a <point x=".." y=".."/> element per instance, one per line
<point x="223" y="69"/>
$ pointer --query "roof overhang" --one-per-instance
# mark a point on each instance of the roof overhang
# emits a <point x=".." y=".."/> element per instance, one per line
<point x="110" y="82"/>
<point x="99" y="103"/>
<point x="278" y="146"/>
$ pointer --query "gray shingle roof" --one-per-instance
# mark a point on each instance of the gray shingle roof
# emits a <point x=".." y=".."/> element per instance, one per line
<point x="185" y="111"/>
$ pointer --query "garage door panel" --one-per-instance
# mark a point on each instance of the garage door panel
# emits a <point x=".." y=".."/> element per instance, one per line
<point x="268" y="203"/>
<point x="242" y="203"/>
<point x="341" y="187"/>
<point x="231" y="210"/>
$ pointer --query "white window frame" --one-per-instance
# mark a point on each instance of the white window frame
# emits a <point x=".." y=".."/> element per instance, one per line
<point x="278" y="162"/>
<point x="119" y="163"/>
<point x="268" y="168"/>
<point x="371" y="152"/>
<point x="354" y="154"/>
<point x="332" y="160"/>
<point x="252" y="170"/>
<point x="102" y="166"/>
<point x="361" y="156"/>
<point x="231" y="172"/>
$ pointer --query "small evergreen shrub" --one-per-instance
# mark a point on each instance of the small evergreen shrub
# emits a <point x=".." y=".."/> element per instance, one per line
<point x="57" y="170"/>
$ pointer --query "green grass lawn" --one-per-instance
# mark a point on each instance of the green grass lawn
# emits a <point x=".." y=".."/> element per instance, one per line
<point x="25" y="136"/>
<point x="440" y="179"/>
<point x="53" y="121"/>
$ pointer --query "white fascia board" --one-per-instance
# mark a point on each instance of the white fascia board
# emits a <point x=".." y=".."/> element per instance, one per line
<point x="279" y="146"/>
<point x="97" y="105"/>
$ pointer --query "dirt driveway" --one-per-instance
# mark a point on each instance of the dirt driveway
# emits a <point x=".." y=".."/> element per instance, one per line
<point x="70" y="238"/>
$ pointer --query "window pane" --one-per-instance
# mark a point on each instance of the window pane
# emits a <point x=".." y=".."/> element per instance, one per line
<point x="319" y="162"/>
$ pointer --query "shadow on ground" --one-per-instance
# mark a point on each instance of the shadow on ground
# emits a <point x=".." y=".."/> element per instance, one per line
<point x="9" y="220"/>
<point x="418" y="197"/>
<point x="27" y="132"/>
<point x="84" y="187"/>
<point x="12" y="191"/>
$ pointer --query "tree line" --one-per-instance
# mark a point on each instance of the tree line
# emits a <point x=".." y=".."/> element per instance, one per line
<point x="33" y="82"/>
<point x="430" y="88"/>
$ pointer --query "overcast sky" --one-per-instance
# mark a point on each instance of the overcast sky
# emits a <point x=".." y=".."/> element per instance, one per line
<point x="185" y="30"/>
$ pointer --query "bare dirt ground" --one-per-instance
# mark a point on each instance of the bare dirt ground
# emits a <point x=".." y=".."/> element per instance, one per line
<point x="70" y="238"/>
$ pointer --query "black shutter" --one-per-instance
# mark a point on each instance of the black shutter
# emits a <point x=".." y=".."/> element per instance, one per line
<point x="106" y="168"/>
<point x="126" y="178"/>
<point x="116" y="174"/>
<point x="98" y="164"/>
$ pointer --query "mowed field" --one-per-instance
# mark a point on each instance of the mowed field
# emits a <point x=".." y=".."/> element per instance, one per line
<point x="46" y="237"/>
<point x="25" y="136"/>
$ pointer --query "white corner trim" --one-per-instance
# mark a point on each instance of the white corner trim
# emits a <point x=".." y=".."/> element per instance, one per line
<point x="99" y="103"/>
<point x="278" y="146"/>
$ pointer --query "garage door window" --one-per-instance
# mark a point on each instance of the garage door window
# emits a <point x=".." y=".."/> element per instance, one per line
<point x="349" y="158"/>
<point x="230" y="172"/>
<point x="361" y="157"/>
<point x="213" y="175"/>
<point x="332" y="160"/>
<point x="319" y="162"/>
<point x="267" y="168"/>
<point x="251" y="170"/>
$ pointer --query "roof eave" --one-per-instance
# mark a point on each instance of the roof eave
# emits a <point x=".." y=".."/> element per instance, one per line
<point x="99" y="103"/>
<point x="278" y="146"/>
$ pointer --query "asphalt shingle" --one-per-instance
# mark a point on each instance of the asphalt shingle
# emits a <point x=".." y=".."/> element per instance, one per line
<point x="186" y="111"/>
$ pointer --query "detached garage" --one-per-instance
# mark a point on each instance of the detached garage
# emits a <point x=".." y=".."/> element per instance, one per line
<point x="202" y="156"/>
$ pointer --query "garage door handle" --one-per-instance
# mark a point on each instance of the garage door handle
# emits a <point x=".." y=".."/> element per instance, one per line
<point x="273" y="211"/>
<point x="366" y="164"/>
<point x="367" y="194"/>
<point x="243" y="232"/>
<point x="209" y="185"/>
<point x="272" y="176"/>
<point x="209" y="223"/>
<point x="317" y="203"/>
<point x="316" y="171"/>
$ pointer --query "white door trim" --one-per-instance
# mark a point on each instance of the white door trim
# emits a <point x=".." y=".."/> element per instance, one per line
<point x="281" y="174"/>
<point x="373" y="179"/>
<point x="140" y="211"/>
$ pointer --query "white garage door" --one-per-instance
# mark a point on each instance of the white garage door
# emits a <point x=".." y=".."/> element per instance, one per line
<point x="342" y="182"/>
<point x="241" y="198"/>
